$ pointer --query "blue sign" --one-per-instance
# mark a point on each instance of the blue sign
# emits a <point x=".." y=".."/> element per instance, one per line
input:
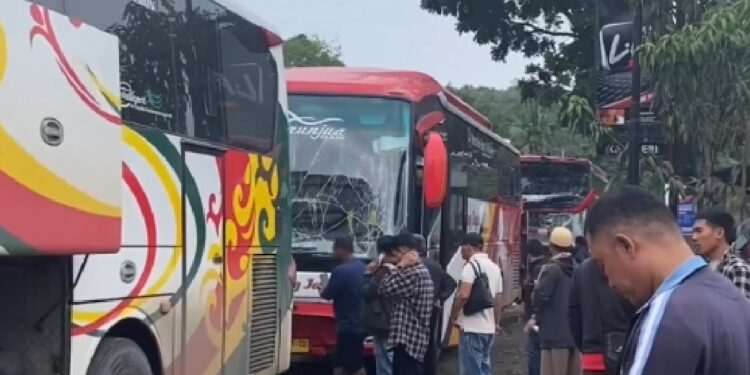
<point x="686" y="217"/>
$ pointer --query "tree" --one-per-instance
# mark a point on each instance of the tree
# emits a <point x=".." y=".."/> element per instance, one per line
<point x="560" y="32"/>
<point x="301" y="51"/>
<point x="532" y="127"/>
<point x="703" y="92"/>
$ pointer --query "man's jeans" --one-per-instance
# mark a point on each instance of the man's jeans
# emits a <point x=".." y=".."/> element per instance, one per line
<point x="474" y="352"/>
<point x="383" y="357"/>
<point x="535" y="354"/>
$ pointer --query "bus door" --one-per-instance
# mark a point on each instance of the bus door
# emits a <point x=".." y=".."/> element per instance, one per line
<point x="203" y="265"/>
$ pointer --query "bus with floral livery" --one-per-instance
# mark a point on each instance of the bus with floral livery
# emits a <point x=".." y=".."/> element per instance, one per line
<point x="383" y="152"/>
<point x="144" y="226"/>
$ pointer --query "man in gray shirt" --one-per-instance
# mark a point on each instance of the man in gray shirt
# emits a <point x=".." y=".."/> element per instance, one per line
<point x="691" y="320"/>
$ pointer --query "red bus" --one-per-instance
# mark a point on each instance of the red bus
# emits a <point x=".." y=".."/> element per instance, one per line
<point x="383" y="152"/>
<point x="558" y="191"/>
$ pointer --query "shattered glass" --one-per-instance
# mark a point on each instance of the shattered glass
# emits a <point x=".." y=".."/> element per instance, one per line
<point x="349" y="158"/>
<point x="554" y="185"/>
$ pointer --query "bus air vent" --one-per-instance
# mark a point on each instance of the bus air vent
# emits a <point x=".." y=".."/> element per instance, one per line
<point x="264" y="314"/>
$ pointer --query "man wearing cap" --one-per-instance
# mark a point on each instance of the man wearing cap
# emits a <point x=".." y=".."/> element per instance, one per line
<point x="478" y="329"/>
<point x="550" y="306"/>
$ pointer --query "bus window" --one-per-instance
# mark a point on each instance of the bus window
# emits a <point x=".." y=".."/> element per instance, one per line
<point x="145" y="57"/>
<point x="248" y="82"/>
<point x="200" y="55"/>
<point x="56" y="5"/>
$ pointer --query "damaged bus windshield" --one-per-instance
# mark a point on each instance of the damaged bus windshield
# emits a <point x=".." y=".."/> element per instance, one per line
<point x="349" y="167"/>
<point x="556" y="185"/>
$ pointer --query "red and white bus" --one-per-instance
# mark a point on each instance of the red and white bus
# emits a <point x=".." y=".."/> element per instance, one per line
<point x="381" y="152"/>
<point x="558" y="191"/>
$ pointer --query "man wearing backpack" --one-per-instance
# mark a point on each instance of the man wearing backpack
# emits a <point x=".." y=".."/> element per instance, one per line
<point x="477" y="307"/>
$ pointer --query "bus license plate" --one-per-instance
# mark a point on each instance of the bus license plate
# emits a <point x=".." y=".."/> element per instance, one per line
<point x="300" y="346"/>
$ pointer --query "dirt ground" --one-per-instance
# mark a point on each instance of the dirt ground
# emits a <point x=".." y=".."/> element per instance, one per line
<point x="509" y="357"/>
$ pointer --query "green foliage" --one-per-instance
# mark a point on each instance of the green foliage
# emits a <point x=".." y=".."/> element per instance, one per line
<point x="304" y="51"/>
<point x="559" y="32"/>
<point x="532" y="127"/>
<point x="703" y="92"/>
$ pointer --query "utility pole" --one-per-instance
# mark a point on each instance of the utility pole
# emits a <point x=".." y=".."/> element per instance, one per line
<point x="634" y="172"/>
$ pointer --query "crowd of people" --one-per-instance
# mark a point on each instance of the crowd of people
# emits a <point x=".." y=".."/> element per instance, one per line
<point x="398" y="300"/>
<point x="639" y="299"/>
<point x="636" y="298"/>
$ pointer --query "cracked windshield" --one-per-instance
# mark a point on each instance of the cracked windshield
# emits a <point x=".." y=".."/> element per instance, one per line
<point x="348" y="165"/>
<point x="557" y="185"/>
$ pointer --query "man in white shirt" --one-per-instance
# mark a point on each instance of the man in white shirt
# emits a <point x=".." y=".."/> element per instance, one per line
<point x="478" y="329"/>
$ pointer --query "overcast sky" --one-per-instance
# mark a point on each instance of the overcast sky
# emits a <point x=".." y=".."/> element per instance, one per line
<point x="393" y="34"/>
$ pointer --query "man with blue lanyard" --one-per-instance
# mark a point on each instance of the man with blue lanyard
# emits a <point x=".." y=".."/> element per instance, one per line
<point x="690" y="320"/>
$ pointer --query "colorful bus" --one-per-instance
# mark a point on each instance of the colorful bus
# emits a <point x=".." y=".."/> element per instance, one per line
<point x="145" y="224"/>
<point x="382" y="152"/>
<point x="558" y="191"/>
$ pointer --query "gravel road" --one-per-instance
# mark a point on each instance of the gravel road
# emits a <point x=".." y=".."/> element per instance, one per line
<point x="509" y="357"/>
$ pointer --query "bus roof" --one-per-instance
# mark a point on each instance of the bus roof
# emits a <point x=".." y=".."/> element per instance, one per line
<point x="396" y="84"/>
<point x="243" y="10"/>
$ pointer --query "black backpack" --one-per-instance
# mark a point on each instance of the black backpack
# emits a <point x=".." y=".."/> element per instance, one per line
<point x="376" y="314"/>
<point x="481" y="297"/>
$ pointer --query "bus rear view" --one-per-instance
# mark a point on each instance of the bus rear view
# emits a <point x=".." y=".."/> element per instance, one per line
<point x="557" y="191"/>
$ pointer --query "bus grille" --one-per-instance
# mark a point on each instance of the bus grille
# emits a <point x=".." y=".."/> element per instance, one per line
<point x="263" y="318"/>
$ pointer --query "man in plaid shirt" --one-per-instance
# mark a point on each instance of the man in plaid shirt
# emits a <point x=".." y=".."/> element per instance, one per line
<point x="410" y="288"/>
<point x="713" y="233"/>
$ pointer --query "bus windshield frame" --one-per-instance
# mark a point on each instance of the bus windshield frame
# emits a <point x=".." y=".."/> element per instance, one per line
<point x="350" y="158"/>
<point x="555" y="185"/>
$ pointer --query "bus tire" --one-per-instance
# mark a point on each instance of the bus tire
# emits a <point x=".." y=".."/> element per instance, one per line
<point x="119" y="356"/>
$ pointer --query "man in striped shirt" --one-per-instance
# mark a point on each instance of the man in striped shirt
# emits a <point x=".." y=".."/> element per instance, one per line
<point x="691" y="320"/>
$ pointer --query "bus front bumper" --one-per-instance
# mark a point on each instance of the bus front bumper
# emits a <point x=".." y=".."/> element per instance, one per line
<point x="314" y="332"/>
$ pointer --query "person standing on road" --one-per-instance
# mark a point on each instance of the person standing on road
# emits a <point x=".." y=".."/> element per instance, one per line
<point x="345" y="289"/>
<point x="444" y="286"/>
<point x="550" y="301"/>
<point x="537" y="255"/>
<point x="376" y="311"/>
<point x="582" y="250"/>
<point x="690" y="320"/>
<point x="599" y="319"/>
<point x="713" y="233"/>
<point x="477" y="329"/>
<point x="410" y="287"/>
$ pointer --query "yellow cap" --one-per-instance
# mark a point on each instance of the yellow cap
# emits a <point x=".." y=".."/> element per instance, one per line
<point x="561" y="237"/>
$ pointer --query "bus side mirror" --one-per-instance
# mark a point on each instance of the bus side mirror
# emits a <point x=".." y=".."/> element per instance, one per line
<point x="435" y="171"/>
<point x="427" y="123"/>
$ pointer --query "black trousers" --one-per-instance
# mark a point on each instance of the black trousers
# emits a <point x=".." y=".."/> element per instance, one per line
<point x="404" y="364"/>
<point x="433" y="349"/>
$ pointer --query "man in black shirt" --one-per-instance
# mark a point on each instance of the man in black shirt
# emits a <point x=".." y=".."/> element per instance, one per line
<point x="444" y="286"/>
<point x="599" y="319"/>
